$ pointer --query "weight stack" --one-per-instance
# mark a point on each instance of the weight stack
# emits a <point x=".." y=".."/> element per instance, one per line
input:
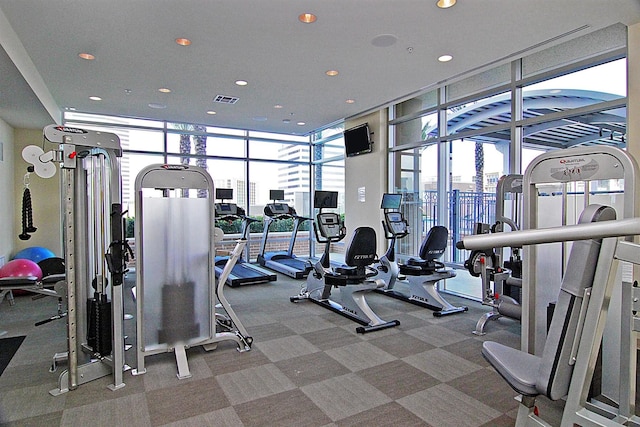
<point x="178" y="314"/>
<point x="99" y="329"/>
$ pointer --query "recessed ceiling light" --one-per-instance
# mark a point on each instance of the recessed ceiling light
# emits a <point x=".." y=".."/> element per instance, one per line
<point x="301" y="123"/>
<point x="286" y="121"/>
<point x="211" y="113"/>
<point x="95" y="98"/>
<point x="555" y="91"/>
<point x="445" y="58"/>
<point x="183" y="42"/>
<point x="260" y="119"/>
<point x="307" y="18"/>
<point x="443" y="4"/>
<point x="87" y="56"/>
<point x="157" y="106"/>
<point x="332" y="73"/>
<point x="350" y="101"/>
<point x="277" y="106"/>
<point x="164" y="90"/>
<point x="241" y="82"/>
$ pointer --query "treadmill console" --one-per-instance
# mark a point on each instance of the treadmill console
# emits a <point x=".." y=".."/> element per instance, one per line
<point x="224" y="209"/>
<point x="395" y="223"/>
<point x="274" y="209"/>
<point x="329" y="224"/>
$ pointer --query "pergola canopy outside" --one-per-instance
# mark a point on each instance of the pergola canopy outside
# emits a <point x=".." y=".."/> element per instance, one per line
<point x="600" y="118"/>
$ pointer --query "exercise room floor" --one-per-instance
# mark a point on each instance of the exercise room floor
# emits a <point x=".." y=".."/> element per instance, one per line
<point x="307" y="367"/>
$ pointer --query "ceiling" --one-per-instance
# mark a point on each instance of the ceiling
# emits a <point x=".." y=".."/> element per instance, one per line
<point x="384" y="50"/>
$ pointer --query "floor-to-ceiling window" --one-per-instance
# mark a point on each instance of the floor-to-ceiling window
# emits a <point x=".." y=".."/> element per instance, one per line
<point x="249" y="163"/>
<point x="451" y="144"/>
<point x="327" y="156"/>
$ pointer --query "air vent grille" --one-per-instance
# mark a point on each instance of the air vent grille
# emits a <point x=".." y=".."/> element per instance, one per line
<point x="224" y="99"/>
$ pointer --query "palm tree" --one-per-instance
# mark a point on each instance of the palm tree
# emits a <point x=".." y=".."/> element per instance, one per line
<point x="479" y="159"/>
<point x="200" y="145"/>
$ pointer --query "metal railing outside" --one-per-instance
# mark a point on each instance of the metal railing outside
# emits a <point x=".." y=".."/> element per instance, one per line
<point x="465" y="210"/>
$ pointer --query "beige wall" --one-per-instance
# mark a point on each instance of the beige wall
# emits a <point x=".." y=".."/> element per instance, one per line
<point x="45" y="198"/>
<point x="7" y="198"/>
<point x="367" y="173"/>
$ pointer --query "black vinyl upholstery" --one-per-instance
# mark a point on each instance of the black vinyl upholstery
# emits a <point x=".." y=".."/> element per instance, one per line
<point x="361" y="251"/>
<point x="435" y="243"/>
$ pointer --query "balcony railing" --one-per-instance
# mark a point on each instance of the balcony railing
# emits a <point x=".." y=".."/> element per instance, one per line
<point x="465" y="209"/>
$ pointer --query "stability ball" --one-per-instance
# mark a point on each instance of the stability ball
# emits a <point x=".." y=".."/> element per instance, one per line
<point x="21" y="268"/>
<point x="35" y="254"/>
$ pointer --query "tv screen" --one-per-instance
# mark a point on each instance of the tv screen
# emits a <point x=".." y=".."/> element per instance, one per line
<point x="276" y="194"/>
<point x="357" y="140"/>
<point x="391" y="201"/>
<point x="224" y="193"/>
<point x="325" y="199"/>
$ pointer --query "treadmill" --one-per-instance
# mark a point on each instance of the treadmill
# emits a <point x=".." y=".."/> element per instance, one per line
<point x="243" y="273"/>
<point x="284" y="262"/>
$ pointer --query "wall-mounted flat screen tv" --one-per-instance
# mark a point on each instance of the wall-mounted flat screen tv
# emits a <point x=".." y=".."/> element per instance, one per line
<point x="357" y="140"/>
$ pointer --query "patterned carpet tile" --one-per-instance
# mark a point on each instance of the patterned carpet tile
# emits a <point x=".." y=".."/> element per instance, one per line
<point x="360" y="356"/>
<point x="311" y="368"/>
<point x="290" y="408"/>
<point x="441" y="364"/>
<point x="445" y="406"/>
<point x="254" y="383"/>
<point x="184" y="401"/>
<point x="343" y="396"/>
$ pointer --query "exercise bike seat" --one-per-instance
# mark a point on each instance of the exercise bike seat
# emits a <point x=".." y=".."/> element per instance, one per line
<point x="360" y="253"/>
<point x="432" y="248"/>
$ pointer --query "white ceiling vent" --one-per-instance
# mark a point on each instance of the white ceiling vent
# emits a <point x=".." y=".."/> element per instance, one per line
<point x="223" y="99"/>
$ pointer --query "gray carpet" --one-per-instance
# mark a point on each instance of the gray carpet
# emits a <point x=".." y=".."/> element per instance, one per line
<point x="307" y="367"/>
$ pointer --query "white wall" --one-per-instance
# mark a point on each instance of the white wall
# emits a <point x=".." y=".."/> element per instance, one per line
<point x="366" y="177"/>
<point x="7" y="198"/>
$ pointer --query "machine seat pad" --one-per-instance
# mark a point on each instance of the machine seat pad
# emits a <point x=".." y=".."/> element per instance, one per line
<point x="13" y="282"/>
<point x="334" y="279"/>
<point x="520" y="369"/>
<point x="410" y="270"/>
<point x="417" y="262"/>
<point x="345" y="270"/>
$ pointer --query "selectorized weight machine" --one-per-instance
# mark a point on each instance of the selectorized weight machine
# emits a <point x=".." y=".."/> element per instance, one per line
<point x="589" y="354"/>
<point x="489" y="264"/>
<point x="176" y="290"/>
<point x="94" y="251"/>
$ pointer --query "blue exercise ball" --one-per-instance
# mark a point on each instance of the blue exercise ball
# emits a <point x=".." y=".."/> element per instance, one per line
<point x="35" y="254"/>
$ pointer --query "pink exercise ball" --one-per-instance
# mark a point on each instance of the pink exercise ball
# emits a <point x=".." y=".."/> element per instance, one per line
<point x="21" y="268"/>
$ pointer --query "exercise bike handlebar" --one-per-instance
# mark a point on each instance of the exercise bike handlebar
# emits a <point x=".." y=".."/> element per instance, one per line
<point x="322" y="239"/>
<point x="389" y="234"/>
